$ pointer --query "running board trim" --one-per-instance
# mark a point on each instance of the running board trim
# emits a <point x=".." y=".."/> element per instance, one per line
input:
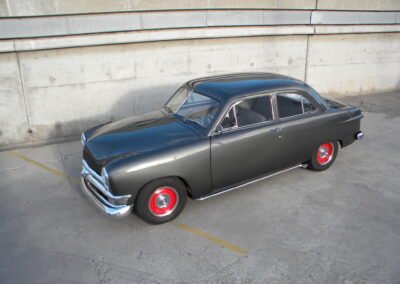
<point x="252" y="181"/>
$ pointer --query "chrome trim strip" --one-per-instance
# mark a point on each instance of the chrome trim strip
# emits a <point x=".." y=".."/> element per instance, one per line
<point x="360" y="116"/>
<point x="250" y="182"/>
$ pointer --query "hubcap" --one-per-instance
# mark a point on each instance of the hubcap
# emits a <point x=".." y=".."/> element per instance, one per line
<point x="325" y="153"/>
<point x="163" y="201"/>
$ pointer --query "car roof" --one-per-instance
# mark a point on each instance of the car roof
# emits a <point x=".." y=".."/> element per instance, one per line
<point x="225" y="87"/>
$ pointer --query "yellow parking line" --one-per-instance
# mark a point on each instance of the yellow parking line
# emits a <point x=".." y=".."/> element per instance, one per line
<point x="232" y="247"/>
<point x="43" y="166"/>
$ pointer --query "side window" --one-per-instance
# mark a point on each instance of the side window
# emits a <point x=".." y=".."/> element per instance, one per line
<point x="307" y="105"/>
<point x="291" y="104"/>
<point x="247" y="112"/>
<point x="229" y="120"/>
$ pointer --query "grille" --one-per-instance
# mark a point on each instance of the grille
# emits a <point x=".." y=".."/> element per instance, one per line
<point x="87" y="156"/>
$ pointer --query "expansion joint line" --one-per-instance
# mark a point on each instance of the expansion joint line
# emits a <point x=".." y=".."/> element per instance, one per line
<point x="21" y="79"/>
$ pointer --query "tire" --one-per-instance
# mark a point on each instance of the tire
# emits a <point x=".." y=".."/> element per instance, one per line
<point x="324" y="156"/>
<point x="161" y="201"/>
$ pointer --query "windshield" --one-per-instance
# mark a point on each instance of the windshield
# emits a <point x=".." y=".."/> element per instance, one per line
<point x="193" y="106"/>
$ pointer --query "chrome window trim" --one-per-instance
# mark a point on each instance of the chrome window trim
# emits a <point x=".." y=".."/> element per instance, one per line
<point x="233" y="108"/>
<point x="321" y="106"/>
<point x="227" y="130"/>
<point x="304" y="114"/>
<point x="233" y="105"/>
<point x="181" y="87"/>
<point x="234" y="115"/>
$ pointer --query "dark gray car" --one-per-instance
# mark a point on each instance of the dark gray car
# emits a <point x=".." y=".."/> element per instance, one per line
<point x="214" y="135"/>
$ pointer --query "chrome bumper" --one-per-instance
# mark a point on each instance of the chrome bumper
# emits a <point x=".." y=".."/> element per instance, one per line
<point x="360" y="135"/>
<point x="98" y="193"/>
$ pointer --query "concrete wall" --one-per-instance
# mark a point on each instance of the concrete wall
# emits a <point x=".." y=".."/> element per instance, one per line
<point x="340" y="65"/>
<point x="13" y="119"/>
<point x="63" y="73"/>
<point x="53" y="7"/>
<point x="33" y="27"/>
<point x="13" y="8"/>
<point x="69" y="90"/>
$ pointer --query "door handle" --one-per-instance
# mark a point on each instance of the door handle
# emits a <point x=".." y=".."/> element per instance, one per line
<point x="279" y="130"/>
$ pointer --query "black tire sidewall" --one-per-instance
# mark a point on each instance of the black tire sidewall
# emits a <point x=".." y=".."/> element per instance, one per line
<point x="314" y="165"/>
<point x="142" y="201"/>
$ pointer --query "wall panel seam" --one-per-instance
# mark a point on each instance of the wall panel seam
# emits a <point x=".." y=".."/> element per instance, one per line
<point x="21" y="79"/>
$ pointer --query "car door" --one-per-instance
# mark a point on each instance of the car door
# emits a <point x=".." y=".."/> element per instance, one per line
<point x="247" y="143"/>
<point x="300" y="126"/>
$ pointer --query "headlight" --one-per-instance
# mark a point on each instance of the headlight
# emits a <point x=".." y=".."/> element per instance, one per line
<point x="104" y="177"/>
<point x="83" y="139"/>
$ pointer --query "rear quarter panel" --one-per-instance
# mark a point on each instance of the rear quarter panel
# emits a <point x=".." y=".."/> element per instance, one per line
<point x="349" y="126"/>
<point x="302" y="136"/>
<point x="340" y="124"/>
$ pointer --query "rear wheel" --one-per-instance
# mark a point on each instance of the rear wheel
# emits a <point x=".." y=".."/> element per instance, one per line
<point x="324" y="156"/>
<point x="161" y="201"/>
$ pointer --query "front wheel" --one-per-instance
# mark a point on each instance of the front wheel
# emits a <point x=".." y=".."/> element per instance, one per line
<point x="161" y="201"/>
<point x="324" y="156"/>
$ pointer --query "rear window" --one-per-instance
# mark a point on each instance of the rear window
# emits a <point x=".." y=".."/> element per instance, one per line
<point x="291" y="104"/>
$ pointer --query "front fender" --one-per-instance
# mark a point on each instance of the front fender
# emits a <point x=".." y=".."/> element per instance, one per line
<point x="190" y="162"/>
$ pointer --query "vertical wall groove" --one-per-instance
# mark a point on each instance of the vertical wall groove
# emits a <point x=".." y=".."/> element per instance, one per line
<point x="23" y="93"/>
<point x="306" y="62"/>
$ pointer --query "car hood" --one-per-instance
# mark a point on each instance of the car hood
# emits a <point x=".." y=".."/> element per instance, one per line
<point x="137" y="134"/>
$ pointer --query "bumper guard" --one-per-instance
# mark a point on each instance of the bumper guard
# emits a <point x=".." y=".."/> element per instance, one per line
<point x="94" y="188"/>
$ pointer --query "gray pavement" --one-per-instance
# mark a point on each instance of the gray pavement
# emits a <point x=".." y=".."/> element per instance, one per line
<point x="337" y="226"/>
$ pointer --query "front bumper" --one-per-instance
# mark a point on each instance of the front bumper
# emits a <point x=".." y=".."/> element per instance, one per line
<point x="98" y="193"/>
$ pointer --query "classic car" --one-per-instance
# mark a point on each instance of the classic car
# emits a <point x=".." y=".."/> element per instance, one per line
<point x="215" y="134"/>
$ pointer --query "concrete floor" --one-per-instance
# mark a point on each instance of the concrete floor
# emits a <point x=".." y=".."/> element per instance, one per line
<point x="337" y="226"/>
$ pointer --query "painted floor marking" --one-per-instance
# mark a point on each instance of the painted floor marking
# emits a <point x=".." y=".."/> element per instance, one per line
<point x="199" y="233"/>
<point x="230" y="246"/>
<point x="43" y="166"/>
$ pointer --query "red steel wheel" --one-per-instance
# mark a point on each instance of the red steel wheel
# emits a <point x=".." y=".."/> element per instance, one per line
<point x="163" y="201"/>
<point x="325" y="153"/>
